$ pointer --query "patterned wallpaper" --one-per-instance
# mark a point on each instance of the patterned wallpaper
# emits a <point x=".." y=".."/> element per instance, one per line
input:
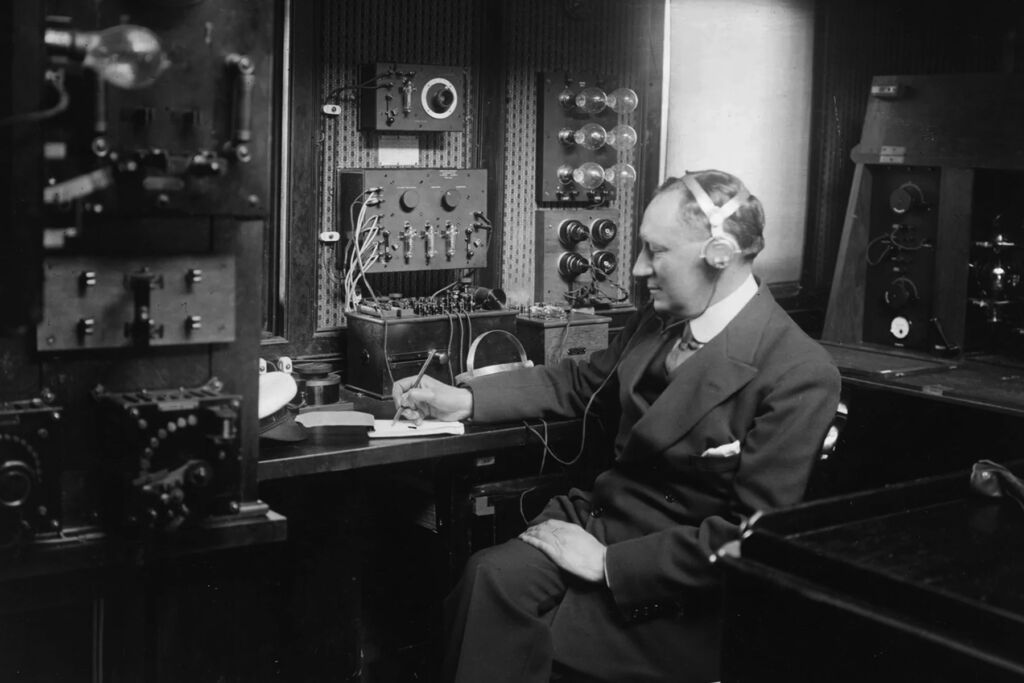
<point x="537" y="36"/>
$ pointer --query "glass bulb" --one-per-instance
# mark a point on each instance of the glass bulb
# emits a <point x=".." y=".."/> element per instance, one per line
<point x="125" y="55"/>
<point x="621" y="175"/>
<point x="590" y="175"/>
<point x="622" y="137"/>
<point x="591" y="100"/>
<point x="591" y="136"/>
<point x="566" y="99"/>
<point x="623" y="100"/>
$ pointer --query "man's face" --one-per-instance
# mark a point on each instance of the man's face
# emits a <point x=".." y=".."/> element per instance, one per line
<point x="679" y="280"/>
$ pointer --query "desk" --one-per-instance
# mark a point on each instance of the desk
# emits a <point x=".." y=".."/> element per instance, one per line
<point x="913" y="415"/>
<point x="327" y="450"/>
<point x="977" y="381"/>
<point x="916" y="582"/>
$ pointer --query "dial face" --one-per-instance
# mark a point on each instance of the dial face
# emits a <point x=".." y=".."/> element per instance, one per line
<point x="899" y="327"/>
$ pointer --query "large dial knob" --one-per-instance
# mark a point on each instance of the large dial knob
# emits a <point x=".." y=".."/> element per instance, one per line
<point x="17" y="479"/>
<point x="570" y="232"/>
<point x="603" y="231"/>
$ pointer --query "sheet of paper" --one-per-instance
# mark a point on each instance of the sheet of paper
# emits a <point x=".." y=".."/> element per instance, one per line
<point x="335" y="418"/>
<point x="383" y="429"/>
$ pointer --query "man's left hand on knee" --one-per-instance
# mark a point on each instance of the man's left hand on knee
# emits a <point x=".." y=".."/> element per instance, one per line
<point x="570" y="547"/>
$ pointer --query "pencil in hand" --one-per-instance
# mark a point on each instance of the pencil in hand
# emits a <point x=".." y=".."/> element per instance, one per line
<point x="415" y="383"/>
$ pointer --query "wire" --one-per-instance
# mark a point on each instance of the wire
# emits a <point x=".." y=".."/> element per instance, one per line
<point x="451" y="336"/>
<point x="365" y="84"/>
<point x="446" y="287"/>
<point x="469" y="332"/>
<point x="522" y="501"/>
<point x="387" y="361"/>
<point x="462" y="358"/>
<point x="361" y="252"/>
<point x="544" y="441"/>
<point x="63" y="99"/>
<point x="565" y="335"/>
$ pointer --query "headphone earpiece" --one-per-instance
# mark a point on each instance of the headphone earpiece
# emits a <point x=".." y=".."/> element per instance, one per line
<point x="721" y="248"/>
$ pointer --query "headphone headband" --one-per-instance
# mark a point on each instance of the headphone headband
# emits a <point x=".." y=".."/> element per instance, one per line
<point x="721" y="248"/>
<point x="716" y="214"/>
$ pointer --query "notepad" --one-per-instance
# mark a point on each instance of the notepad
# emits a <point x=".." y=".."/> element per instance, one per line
<point x="383" y="429"/>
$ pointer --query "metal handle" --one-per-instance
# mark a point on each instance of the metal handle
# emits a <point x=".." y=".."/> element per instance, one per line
<point x="245" y="82"/>
<point x="491" y="369"/>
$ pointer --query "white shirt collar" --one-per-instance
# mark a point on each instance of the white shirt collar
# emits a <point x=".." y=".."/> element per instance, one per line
<point x="713" y="320"/>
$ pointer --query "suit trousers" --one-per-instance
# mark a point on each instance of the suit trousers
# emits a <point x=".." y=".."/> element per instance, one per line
<point x="506" y="622"/>
<point x="498" y="617"/>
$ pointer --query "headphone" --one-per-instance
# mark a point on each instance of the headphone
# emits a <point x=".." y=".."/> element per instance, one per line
<point x="721" y="247"/>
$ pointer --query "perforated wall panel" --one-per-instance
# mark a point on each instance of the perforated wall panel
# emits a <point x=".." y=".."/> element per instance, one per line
<point x="538" y="35"/>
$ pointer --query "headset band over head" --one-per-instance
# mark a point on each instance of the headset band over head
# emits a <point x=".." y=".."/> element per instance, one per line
<point x="722" y="247"/>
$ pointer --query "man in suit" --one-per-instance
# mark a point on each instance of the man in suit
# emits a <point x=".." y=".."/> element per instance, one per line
<point x="723" y="403"/>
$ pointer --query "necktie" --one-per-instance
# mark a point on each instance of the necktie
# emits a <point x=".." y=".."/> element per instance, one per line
<point x="681" y="350"/>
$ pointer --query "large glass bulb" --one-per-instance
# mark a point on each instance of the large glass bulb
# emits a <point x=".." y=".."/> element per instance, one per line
<point x="623" y="100"/>
<point x="591" y="136"/>
<point x="591" y="100"/>
<point x="622" y="137"/>
<point x="621" y="175"/>
<point x="126" y="56"/>
<point x="590" y="175"/>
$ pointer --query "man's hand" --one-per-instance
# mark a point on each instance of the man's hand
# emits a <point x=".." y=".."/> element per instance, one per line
<point x="570" y="547"/>
<point x="431" y="399"/>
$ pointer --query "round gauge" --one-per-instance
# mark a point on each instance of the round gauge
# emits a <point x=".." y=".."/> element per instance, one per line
<point x="899" y="327"/>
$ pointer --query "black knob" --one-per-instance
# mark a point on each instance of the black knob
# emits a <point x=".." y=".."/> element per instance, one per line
<point x="571" y="265"/>
<point x="603" y="231"/>
<point x="199" y="475"/>
<point x="409" y="200"/>
<point x="605" y="262"/>
<point x="441" y="99"/>
<point x="16" y="483"/>
<point x="901" y="293"/>
<point x="450" y="199"/>
<point x="905" y="198"/>
<point x="571" y="232"/>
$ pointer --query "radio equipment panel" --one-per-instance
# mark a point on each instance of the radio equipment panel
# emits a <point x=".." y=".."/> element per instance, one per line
<point x="30" y="470"/>
<point x="172" y="455"/>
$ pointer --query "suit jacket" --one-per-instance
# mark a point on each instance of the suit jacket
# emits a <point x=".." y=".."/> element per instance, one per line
<point x="677" y="490"/>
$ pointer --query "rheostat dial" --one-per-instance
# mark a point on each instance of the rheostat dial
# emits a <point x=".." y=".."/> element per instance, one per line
<point x="19" y="470"/>
<point x="603" y="231"/>
<point x="571" y="265"/>
<point x="906" y="198"/>
<point x="605" y="262"/>
<point x="900" y="293"/>
<point x="570" y="232"/>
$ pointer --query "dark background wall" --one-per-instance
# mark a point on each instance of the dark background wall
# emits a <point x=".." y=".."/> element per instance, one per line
<point x="857" y="40"/>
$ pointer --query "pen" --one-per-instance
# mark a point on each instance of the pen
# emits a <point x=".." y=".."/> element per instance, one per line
<point x="416" y="383"/>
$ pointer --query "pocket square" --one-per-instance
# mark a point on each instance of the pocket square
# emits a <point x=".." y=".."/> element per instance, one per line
<point x="726" y="450"/>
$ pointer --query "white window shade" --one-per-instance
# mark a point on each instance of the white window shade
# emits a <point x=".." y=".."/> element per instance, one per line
<point x="739" y="100"/>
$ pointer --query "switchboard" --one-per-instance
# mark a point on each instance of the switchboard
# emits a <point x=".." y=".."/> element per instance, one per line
<point x="413" y="219"/>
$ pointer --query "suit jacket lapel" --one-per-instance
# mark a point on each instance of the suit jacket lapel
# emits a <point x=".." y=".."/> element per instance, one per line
<point x="708" y="378"/>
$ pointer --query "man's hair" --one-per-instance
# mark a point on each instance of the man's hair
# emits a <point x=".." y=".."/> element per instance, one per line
<point x="746" y="224"/>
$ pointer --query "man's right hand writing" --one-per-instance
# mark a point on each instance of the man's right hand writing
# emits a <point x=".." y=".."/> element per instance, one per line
<point x="431" y="399"/>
